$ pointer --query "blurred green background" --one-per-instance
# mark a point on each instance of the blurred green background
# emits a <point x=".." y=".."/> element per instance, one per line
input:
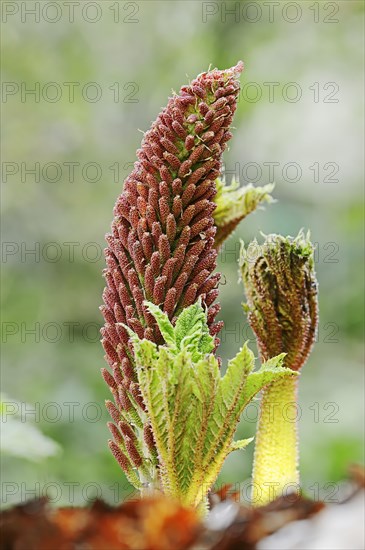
<point x="101" y="74"/>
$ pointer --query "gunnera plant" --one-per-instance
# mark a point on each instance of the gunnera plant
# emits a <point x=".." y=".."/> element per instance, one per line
<point x="282" y="307"/>
<point x="174" y="414"/>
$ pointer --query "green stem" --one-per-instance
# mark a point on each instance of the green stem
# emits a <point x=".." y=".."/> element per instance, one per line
<point x="275" y="470"/>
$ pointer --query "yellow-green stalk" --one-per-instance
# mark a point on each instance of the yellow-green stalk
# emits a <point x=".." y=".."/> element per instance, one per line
<point x="282" y="308"/>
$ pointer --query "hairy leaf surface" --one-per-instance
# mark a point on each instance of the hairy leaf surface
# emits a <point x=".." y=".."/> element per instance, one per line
<point x="193" y="409"/>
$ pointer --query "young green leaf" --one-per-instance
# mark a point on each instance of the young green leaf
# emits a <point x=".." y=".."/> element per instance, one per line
<point x="234" y="203"/>
<point x="240" y="444"/>
<point x="193" y="410"/>
<point x="192" y="332"/>
<point x="166" y="328"/>
<point x="269" y="372"/>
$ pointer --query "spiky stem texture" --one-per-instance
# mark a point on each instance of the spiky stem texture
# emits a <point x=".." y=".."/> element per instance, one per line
<point x="282" y="307"/>
<point x="161" y="247"/>
<point x="276" y="444"/>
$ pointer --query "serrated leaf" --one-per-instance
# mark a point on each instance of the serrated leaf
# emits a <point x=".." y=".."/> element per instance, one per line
<point x="145" y="351"/>
<point x="184" y="421"/>
<point x="132" y="335"/>
<point x="155" y="388"/>
<point x="269" y="372"/>
<point x="192" y="332"/>
<point x="234" y="203"/>
<point x="192" y="409"/>
<point x="163" y="322"/>
<point x="240" y="444"/>
<point x="229" y="399"/>
<point x="229" y="403"/>
<point x="237" y="371"/>
<point x="206" y="387"/>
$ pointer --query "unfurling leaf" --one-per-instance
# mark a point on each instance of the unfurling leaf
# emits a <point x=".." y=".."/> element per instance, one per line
<point x="193" y="409"/>
<point x="282" y="296"/>
<point x="192" y="332"/>
<point x="234" y="203"/>
<point x="282" y="307"/>
<point x="240" y="444"/>
<point x="166" y="328"/>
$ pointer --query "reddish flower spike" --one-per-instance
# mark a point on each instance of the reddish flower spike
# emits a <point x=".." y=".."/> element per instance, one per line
<point x="165" y="213"/>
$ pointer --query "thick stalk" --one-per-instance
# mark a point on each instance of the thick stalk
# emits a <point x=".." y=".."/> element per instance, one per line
<point x="275" y="470"/>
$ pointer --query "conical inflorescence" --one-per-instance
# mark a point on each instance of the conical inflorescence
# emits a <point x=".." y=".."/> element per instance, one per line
<point x="161" y="247"/>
